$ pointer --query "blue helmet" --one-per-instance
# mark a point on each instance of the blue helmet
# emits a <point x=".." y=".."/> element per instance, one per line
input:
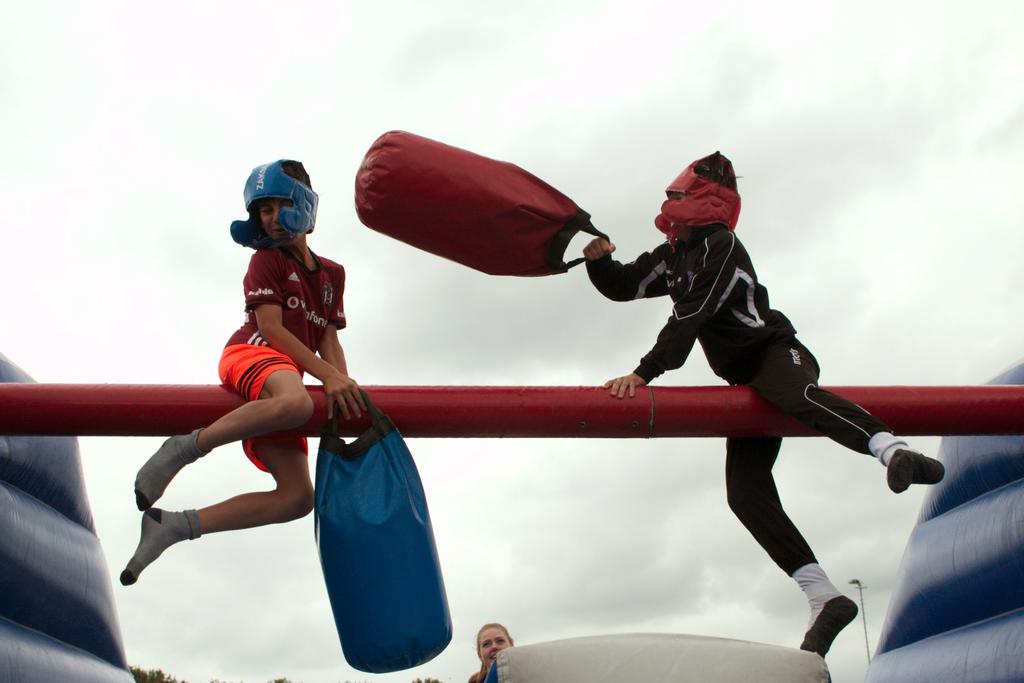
<point x="270" y="180"/>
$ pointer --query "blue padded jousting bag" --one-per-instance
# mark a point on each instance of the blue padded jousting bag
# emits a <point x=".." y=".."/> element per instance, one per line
<point x="377" y="550"/>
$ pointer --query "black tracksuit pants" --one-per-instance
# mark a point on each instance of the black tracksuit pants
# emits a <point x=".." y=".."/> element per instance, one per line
<point x="787" y="377"/>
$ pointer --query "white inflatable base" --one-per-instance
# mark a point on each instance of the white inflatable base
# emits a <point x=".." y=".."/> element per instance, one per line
<point x="657" y="658"/>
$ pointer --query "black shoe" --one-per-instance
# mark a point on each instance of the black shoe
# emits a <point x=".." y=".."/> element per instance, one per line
<point x="833" y="618"/>
<point x="910" y="467"/>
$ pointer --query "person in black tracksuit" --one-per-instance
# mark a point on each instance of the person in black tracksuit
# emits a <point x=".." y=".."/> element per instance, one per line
<point x="719" y="302"/>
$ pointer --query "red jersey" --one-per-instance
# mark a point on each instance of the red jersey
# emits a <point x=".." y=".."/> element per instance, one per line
<point x="310" y="300"/>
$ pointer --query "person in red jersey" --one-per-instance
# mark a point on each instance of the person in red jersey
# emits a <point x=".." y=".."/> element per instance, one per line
<point x="293" y="311"/>
<point x="719" y="302"/>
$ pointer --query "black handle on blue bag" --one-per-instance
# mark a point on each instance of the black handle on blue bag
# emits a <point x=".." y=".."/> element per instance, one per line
<point x="380" y="426"/>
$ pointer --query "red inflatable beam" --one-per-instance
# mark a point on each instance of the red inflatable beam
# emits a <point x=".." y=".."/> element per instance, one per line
<point x="548" y="412"/>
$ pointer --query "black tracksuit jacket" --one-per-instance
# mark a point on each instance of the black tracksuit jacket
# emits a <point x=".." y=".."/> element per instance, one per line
<point x="716" y="298"/>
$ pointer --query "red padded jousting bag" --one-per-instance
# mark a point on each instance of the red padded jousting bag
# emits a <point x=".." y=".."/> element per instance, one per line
<point x="486" y="214"/>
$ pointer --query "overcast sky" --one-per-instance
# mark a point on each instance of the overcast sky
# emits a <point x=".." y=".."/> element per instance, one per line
<point x="880" y="148"/>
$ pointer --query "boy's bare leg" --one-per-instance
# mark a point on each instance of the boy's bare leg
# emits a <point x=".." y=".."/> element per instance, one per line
<point x="283" y="404"/>
<point x="291" y="499"/>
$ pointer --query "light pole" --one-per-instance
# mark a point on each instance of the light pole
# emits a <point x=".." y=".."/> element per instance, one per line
<point x="860" y="589"/>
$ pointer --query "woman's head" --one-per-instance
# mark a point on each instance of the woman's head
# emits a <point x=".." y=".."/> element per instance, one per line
<point x="490" y="640"/>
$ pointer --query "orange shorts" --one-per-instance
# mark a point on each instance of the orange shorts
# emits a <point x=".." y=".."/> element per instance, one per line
<point x="245" y="368"/>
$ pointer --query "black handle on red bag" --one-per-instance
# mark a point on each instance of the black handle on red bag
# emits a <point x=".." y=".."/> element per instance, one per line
<point x="560" y="242"/>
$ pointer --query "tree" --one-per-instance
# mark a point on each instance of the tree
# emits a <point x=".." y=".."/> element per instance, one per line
<point x="151" y="676"/>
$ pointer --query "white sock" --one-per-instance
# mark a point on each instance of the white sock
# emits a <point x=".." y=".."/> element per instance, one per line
<point x="883" y="444"/>
<point x="815" y="584"/>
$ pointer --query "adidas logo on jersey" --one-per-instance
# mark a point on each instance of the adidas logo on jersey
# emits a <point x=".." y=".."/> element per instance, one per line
<point x="294" y="277"/>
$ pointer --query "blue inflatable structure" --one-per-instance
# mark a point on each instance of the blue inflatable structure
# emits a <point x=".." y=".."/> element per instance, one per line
<point x="957" y="612"/>
<point x="57" y="617"/>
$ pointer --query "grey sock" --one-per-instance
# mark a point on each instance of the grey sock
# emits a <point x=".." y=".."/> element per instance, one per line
<point x="160" y="530"/>
<point x="162" y="466"/>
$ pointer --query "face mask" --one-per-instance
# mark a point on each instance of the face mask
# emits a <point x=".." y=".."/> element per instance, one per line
<point x="707" y="197"/>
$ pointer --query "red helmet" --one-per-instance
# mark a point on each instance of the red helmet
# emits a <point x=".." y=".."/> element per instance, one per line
<point x="708" y="186"/>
